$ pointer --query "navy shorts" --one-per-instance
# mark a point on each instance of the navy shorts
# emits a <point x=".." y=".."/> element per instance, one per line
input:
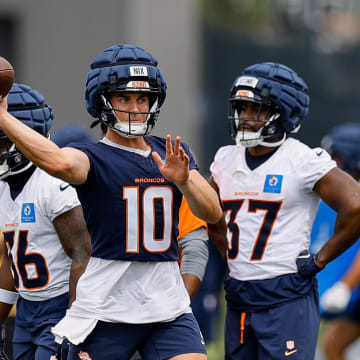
<point x="156" y="341"/>
<point x="33" y="339"/>
<point x="288" y="331"/>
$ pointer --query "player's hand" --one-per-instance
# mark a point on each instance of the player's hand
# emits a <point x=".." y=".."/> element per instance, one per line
<point x="3" y="356"/>
<point x="336" y="298"/>
<point x="175" y="166"/>
<point x="306" y="264"/>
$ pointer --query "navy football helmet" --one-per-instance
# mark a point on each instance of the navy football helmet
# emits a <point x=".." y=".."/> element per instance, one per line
<point x="123" y="68"/>
<point x="279" y="90"/>
<point x="27" y="105"/>
<point x="343" y="141"/>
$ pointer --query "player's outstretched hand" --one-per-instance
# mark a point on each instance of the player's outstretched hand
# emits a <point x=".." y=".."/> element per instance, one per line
<point x="175" y="166"/>
<point x="336" y="298"/>
<point x="306" y="264"/>
<point x="3" y="356"/>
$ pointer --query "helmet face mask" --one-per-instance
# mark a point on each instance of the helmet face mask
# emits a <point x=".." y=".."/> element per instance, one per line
<point x="13" y="163"/>
<point x="260" y="128"/>
<point x="28" y="106"/>
<point x="125" y="68"/>
<point x="125" y="127"/>
<point x="278" y="90"/>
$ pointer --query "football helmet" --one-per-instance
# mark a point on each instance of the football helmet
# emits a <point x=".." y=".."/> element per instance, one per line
<point x="124" y="68"/>
<point x="29" y="106"/>
<point x="276" y="88"/>
<point x="343" y="141"/>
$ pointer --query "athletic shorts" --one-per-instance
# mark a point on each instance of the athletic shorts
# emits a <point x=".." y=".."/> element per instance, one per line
<point x="288" y="331"/>
<point x="155" y="341"/>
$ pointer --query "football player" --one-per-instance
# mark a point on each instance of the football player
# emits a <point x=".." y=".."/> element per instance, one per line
<point x="270" y="185"/>
<point x="131" y="185"/>
<point x="192" y="237"/>
<point x="47" y="243"/>
<point x="340" y="302"/>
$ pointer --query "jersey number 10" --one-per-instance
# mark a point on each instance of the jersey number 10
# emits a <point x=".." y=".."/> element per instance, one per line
<point x="151" y="197"/>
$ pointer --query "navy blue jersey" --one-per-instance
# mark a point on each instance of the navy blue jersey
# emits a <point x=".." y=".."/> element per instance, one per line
<point x="130" y="209"/>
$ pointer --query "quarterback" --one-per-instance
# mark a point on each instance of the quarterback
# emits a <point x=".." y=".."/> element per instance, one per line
<point x="130" y="184"/>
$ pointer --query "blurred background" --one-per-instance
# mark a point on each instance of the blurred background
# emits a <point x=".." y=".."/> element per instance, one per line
<point x="201" y="45"/>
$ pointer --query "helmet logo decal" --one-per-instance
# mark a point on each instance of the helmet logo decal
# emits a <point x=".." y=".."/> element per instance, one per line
<point x="138" y="84"/>
<point x="245" y="93"/>
<point x="247" y="81"/>
<point x="138" y="71"/>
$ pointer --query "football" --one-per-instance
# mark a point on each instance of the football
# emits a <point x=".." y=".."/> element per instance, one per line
<point x="7" y="76"/>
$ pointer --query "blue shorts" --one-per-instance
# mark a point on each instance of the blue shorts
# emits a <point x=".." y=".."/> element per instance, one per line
<point x="288" y="331"/>
<point x="156" y="341"/>
<point x="33" y="339"/>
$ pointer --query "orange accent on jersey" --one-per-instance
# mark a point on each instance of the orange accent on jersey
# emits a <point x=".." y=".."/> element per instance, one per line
<point x="12" y="225"/>
<point x="149" y="180"/>
<point x="188" y="222"/>
<point x="242" y="327"/>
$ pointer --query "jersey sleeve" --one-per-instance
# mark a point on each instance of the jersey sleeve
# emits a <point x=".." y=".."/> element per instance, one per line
<point x="216" y="165"/>
<point x="188" y="222"/>
<point x="59" y="197"/>
<point x="316" y="164"/>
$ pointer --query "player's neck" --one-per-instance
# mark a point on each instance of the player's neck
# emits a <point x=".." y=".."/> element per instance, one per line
<point x="137" y="143"/>
<point x="18" y="181"/>
<point x="261" y="150"/>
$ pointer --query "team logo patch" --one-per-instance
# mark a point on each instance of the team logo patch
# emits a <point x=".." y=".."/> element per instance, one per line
<point x="83" y="355"/>
<point x="28" y="213"/>
<point x="138" y="71"/>
<point x="273" y="183"/>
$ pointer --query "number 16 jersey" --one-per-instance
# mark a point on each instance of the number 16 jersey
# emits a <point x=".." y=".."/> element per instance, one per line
<point x="40" y="266"/>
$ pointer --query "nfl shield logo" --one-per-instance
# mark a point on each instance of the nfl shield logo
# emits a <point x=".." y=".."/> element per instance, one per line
<point x="290" y="344"/>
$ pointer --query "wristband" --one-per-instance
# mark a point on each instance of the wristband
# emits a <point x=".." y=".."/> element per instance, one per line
<point x="8" y="297"/>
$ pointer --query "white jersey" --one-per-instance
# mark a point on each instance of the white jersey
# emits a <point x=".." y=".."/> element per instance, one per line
<point x="40" y="266"/>
<point x="269" y="210"/>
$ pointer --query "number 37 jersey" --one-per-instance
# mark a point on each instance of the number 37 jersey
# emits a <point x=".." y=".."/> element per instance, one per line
<point x="269" y="210"/>
<point x="40" y="266"/>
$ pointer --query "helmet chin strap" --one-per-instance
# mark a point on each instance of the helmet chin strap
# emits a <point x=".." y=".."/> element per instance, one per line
<point x="119" y="127"/>
<point x="273" y="144"/>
